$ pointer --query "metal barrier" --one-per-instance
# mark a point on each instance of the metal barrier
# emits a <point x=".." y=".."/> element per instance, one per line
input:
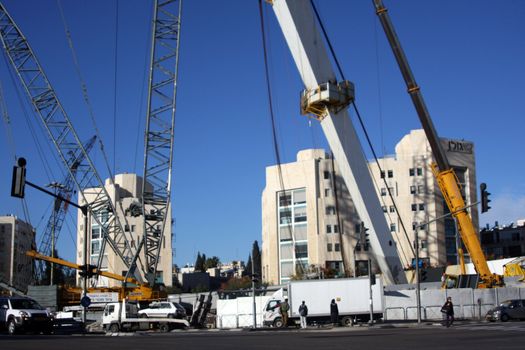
<point x="385" y="313"/>
<point x="415" y="312"/>
<point x="237" y="321"/>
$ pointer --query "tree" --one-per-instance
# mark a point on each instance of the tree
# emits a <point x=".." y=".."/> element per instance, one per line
<point x="256" y="254"/>
<point x="199" y="262"/>
<point x="212" y="262"/>
<point x="248" y="269"/>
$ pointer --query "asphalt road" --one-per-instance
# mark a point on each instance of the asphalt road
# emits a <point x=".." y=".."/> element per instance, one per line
<point x="461" y="337"/>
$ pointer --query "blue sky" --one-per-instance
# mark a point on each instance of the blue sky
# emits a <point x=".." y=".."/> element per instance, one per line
<point x="468" y="57"/>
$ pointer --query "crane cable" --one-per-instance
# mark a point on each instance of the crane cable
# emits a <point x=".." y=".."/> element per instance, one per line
<point x="84" y="89"/>
<point x="273" y="120"/>
<point x="332" y="51"/>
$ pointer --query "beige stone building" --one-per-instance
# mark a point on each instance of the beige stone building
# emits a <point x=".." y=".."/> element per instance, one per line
<point x="127" y="190"/>
<point x="306" y="230"/>
<point x="16" y="238"/>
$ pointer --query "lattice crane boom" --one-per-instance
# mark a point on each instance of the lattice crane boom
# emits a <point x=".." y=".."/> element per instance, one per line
<point x="159" y="133"/>
<point x="64" y="137"/>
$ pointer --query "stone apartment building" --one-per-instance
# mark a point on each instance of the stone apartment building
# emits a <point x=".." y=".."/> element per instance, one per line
<point x="16" y="238"/>
<point x="304" y="227"/>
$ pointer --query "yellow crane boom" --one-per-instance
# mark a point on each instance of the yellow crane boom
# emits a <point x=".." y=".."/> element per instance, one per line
<point x="137" y="291"/>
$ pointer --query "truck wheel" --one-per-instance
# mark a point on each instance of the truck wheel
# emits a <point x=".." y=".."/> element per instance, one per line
<point x="347" y="321"/>
<point x="113" y="328"/>
<point x="504" y="318"/>
<point x="164" y="328"/>
<point x="11" y="327"/>
<point x="278" y="323"/>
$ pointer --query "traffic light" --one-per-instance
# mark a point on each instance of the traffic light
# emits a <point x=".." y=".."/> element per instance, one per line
<point x="18" y="181"/>
<point x="87" y="270"/>
<point x="364" y="236"/>
<point x="484" y="198"/>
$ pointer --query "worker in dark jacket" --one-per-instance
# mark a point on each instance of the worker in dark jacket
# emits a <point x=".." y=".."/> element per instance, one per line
<point x="448" y="312"/>
<point x="334" y="313"/>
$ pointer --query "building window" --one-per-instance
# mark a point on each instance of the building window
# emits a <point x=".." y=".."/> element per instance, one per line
<point x="391" y="190"/>
<point x="414" y="207"/>
<point x="412" y="189"/>
<point x="382" y="174"/>
<point x="299" y="197"/>
<point x="424" y="244"/>
<point x="390" y="173"/>
<point x="384" y="208"/>
<point x="383" y="191"/>
<point x="392" y="227"/>
<point x="301" y="250"/>
<point x="326" y="175"/>
<point x="327" y="192"/>
<point x="330" y="210"/>
<point x="411" y="172"/>
<point x="420" y="189"/>
<point x="300" y="214"/>
<point x="419" y="171"/>
<point x="285" y="199"/>
<point x="337" y="247"/>
<point x="329" y="247"/>
<point x="421" y="206"/>
<point x="328" y="229"/>
<point x="126" y="228"/>
<point x="392" y="209"/>
<point x="336" y="228"/>
<point x="132" y="228"/>
<point x="285" y="216"/>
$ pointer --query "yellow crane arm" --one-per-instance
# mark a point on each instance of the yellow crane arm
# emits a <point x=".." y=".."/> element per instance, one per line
<point x="450" y="188"/>
<point x="36" y="255"/>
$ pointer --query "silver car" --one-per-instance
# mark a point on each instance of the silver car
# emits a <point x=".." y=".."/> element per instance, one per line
<point x="508" y="310"/>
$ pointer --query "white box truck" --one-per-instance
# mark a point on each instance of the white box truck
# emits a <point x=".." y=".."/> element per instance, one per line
<point x="351" y="294"/>
<point x="123" y="316"/>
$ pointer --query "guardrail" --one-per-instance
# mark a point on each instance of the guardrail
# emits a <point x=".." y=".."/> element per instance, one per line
<point x="433" y="312"/>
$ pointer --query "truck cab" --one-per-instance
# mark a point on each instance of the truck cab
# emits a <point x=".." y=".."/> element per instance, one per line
<point x="112" y="321"/>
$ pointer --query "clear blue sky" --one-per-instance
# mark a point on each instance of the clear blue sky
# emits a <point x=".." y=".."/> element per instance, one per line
<point x="467" y="56"/>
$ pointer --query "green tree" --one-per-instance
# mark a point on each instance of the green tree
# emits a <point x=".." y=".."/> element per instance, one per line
<point x="199" y="262"/>
<point x="256" y="254"/>
<point x="248" y="268"/>
<point x="211" y="262"/>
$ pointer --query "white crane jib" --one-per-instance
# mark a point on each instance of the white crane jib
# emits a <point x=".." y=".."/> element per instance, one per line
<point x="328" y="99"/>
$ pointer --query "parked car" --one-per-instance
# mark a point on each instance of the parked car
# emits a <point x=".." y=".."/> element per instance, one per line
<point x="507" y="310"/>
<point x="163" y="309"/>
<point x="20" y="314"/>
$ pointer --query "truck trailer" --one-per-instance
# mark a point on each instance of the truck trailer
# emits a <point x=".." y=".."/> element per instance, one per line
<point x="352" y="296"/>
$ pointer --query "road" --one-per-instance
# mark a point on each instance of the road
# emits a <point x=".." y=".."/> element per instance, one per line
<point x="464" y="336"/>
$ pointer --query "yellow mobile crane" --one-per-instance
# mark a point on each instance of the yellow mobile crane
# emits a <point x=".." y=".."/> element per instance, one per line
<point x="130" y="290"/>
<point x="444" y="173"/>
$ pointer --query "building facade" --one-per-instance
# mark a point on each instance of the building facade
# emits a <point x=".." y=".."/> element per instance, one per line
<point x="16" y="238"/>
<point x="125" y="193"/>
<point x="312" y="225"/>
<point x="503" y="241"/>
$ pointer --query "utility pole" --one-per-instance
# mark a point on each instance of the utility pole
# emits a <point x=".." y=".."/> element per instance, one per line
<point x="253" y="292"/>
<point x="418" y="286"/>
<point x="371" y="322"/>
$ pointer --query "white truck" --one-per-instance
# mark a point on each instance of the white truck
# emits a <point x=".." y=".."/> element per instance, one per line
<point x="123" y="316"/>
<point x="351" y="294"/>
